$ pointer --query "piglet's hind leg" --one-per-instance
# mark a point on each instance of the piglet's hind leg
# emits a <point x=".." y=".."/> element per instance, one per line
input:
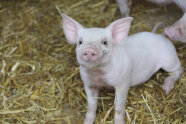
<point x="170" y="81"/>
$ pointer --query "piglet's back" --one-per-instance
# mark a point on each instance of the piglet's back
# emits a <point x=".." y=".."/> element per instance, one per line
<point x="148" y="52"/>
<point x="149" y="42"/>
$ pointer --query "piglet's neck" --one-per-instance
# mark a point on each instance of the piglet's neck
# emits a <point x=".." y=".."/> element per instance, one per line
<point x="104" y="68"/>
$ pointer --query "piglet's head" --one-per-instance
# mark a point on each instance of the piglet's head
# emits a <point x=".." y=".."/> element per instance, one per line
<point x="95" y="45"/>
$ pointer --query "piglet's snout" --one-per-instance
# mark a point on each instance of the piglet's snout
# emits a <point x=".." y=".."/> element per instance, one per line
<point x="172" y="32"/>
<point x="89" y="55"/>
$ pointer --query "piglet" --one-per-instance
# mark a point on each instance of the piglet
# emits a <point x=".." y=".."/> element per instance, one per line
<point x="125" y="9"/>
<point x="178" y="30"/>
<point x="108" y="58"/>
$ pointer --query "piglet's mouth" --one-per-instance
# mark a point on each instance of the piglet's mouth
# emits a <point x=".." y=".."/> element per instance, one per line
<point x="89" y="64"/>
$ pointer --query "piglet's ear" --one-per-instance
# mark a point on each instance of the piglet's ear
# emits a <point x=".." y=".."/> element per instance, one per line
<point x="71" y="28"/>
<point x="120" y="29"/>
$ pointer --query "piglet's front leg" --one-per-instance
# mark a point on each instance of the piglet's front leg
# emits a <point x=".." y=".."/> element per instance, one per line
<point x="121" y="93"/>
<point x="92" y="97"/>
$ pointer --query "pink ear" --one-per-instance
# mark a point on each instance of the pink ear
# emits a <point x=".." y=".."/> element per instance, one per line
<point x="71" y="28"/>
<point x="120" y="29"/>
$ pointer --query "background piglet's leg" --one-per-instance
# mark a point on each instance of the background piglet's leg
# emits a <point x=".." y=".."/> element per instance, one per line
<point x="124" y="7"/>
<point x="160" y="1"/>
<point x="181" y="4"/>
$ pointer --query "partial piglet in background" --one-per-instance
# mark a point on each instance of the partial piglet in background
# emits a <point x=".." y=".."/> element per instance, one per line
<point x="178" y="30"/>
<point x="180" y="3"/>
<point x="125" y="9"/>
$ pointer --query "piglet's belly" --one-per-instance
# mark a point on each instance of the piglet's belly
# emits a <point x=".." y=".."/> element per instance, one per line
<point x="142" y="77"/>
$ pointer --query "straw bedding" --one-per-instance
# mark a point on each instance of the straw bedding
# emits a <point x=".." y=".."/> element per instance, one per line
<point x="39" y="74"/>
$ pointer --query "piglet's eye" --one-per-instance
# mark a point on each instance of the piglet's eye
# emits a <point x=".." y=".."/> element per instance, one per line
<point x="105" y="42"/>
<point x="80" y="42"/>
